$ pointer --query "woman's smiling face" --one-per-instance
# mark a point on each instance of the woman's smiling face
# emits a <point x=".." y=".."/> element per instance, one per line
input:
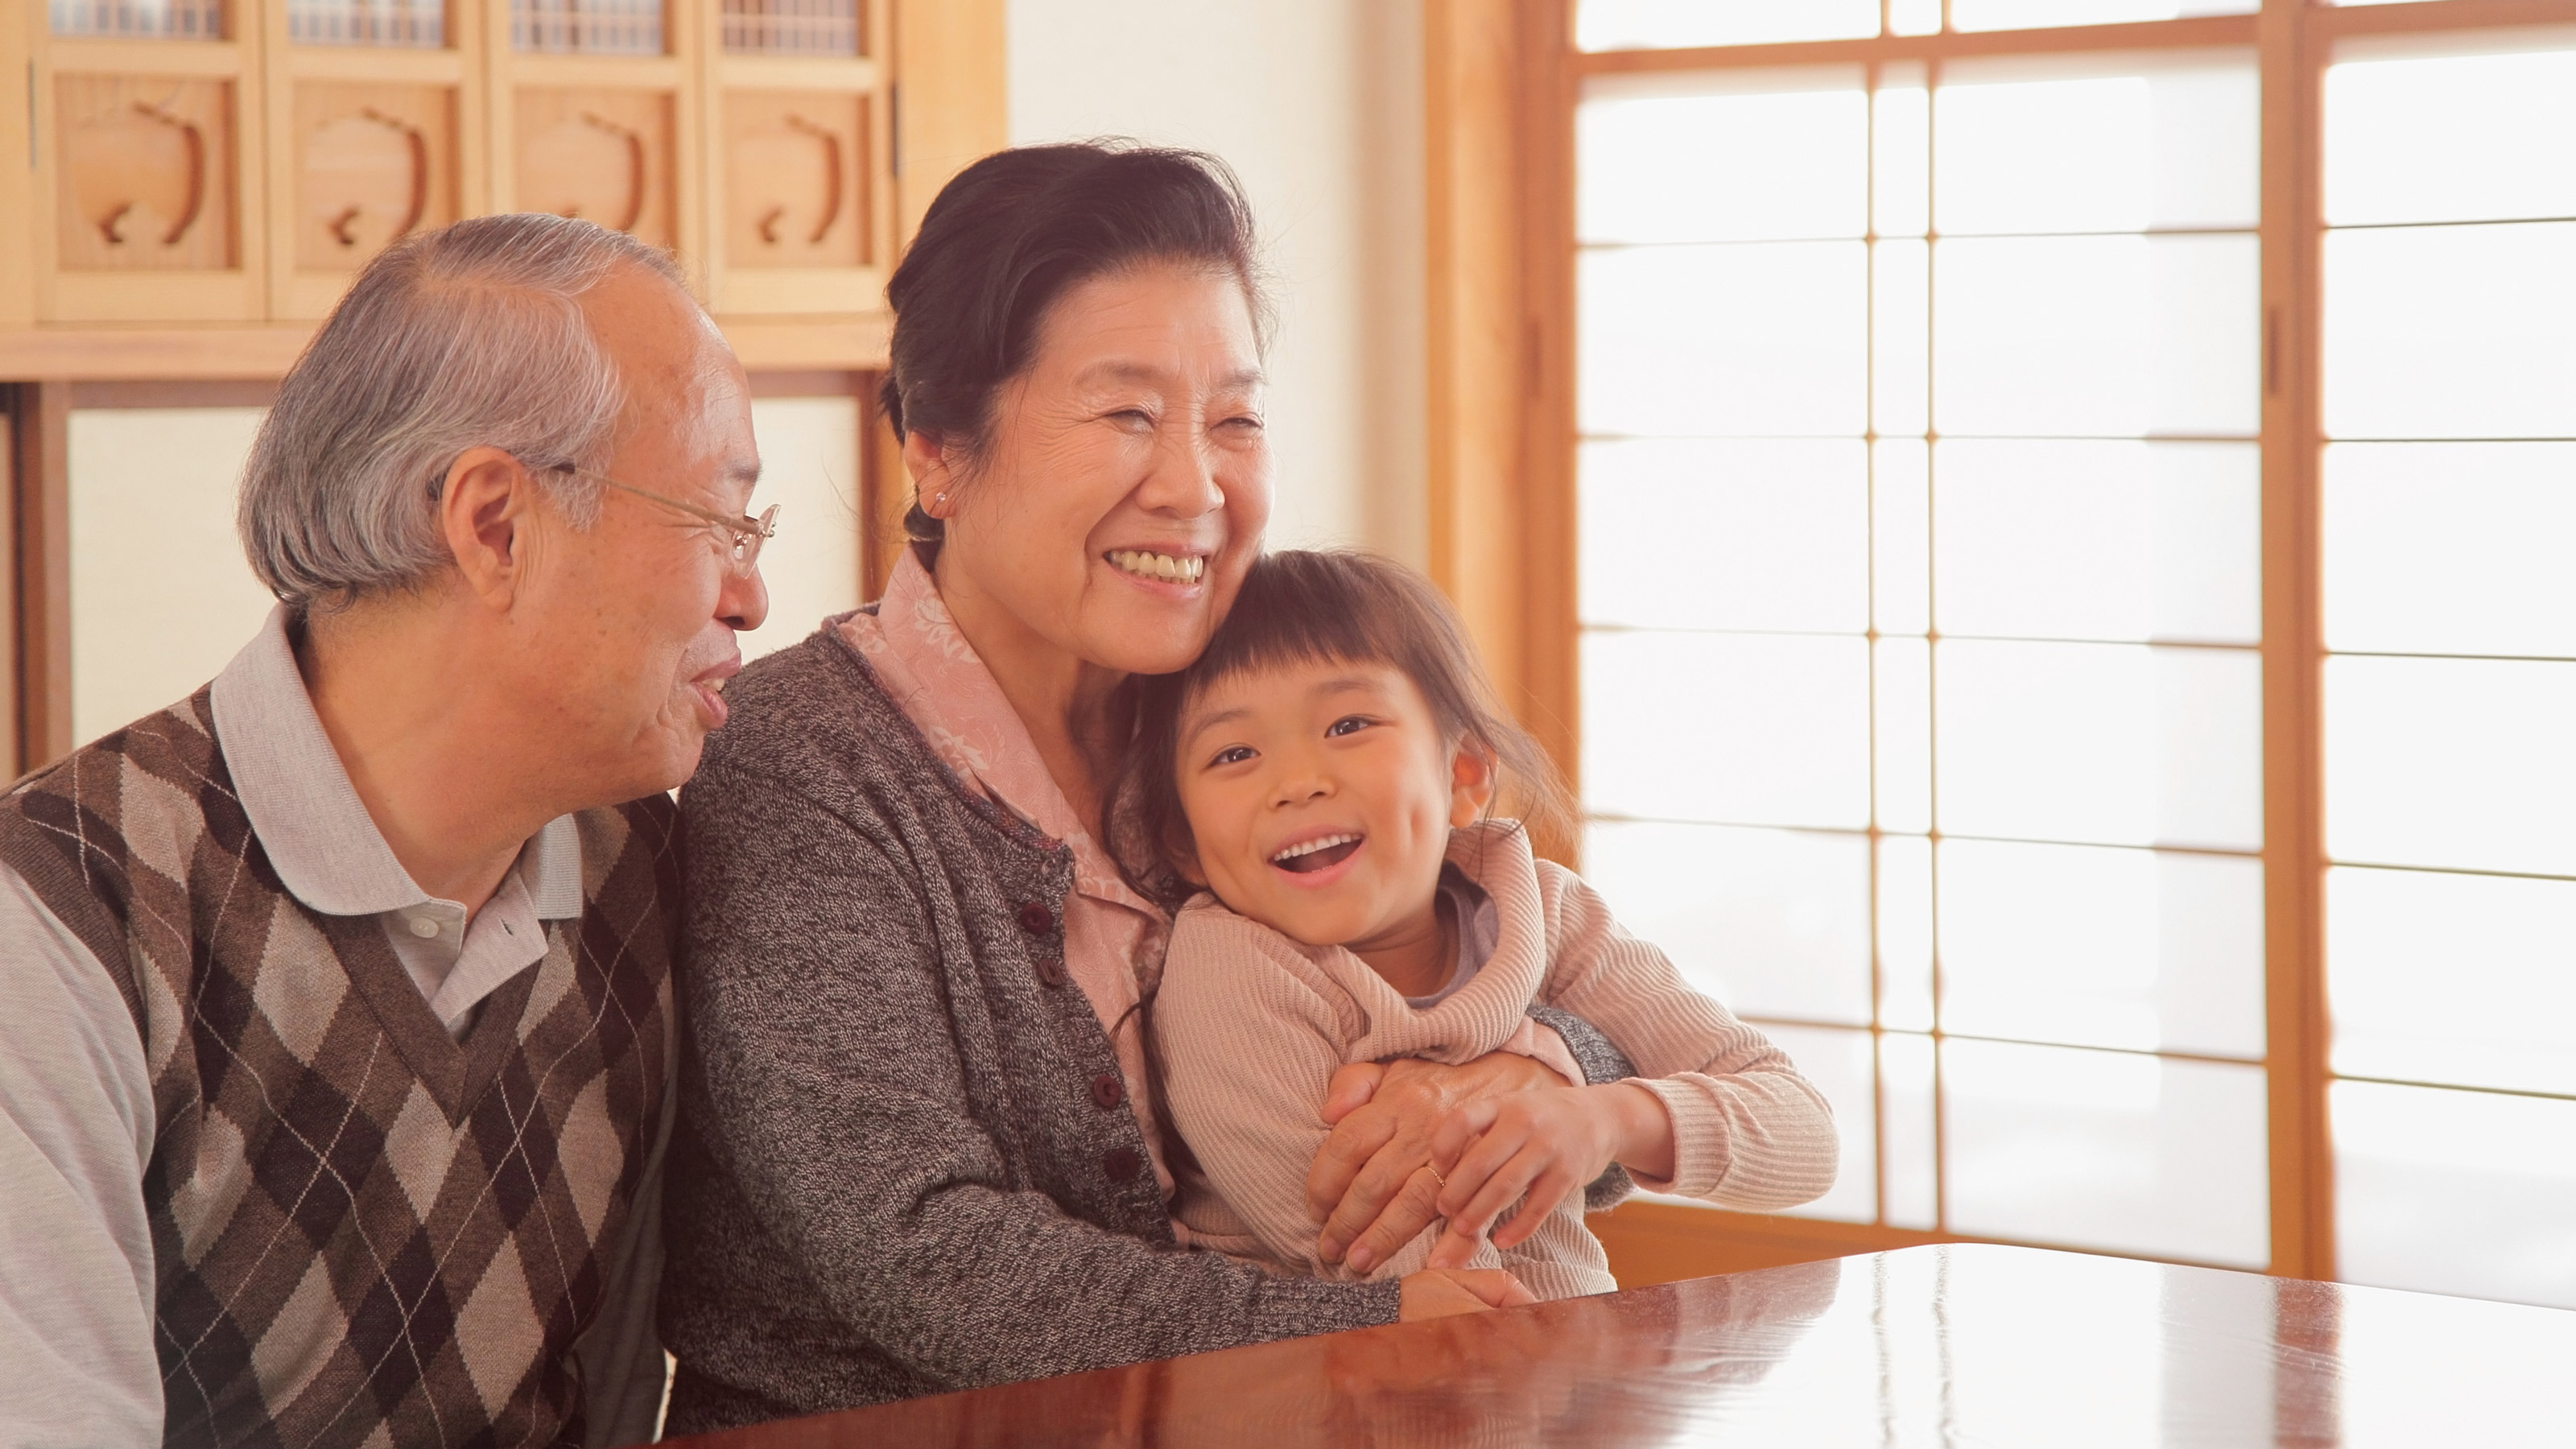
<point x="1126" y="480"/>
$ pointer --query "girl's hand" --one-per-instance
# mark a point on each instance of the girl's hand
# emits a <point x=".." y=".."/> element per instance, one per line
<point x="1445" y="1292"/>
<point x="1539" y="1146"/>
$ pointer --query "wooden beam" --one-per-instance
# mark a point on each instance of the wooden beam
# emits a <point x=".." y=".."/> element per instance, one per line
<point x="1498" y="133"/>
<point x="41" y="515"/>
<point x="952" y="102"/>
<point x="2205" y="30"/>
<point x="1662" y="1242"/>
<point x="2428" y="15"/>
<point x="2297" y="1030"/>
<point x="885" y="495"/>
<point x="1478" y="341"/>
<point x="9" y="752"/>
<point x="264" y="353"/>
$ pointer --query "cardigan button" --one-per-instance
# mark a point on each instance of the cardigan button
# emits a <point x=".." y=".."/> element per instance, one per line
<point x="1122" y="1164"/>
<point x="1050" y="971"/>
<point x="1107" y="1090"/>
<point x="1036" y="919"/>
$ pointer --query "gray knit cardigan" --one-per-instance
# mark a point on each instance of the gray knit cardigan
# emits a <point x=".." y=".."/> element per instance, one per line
<point x="893" y="1173"/>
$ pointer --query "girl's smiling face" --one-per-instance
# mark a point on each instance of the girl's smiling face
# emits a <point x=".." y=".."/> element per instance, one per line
<point x="1321" y="795"/>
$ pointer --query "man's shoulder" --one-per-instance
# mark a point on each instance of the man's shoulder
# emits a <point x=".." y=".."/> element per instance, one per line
<point x="176" y="741"/>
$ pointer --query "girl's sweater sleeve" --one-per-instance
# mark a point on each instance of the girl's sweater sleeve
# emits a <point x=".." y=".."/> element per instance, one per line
<point x="1248" y="1045"/>
<point x="1748" y="1131"/>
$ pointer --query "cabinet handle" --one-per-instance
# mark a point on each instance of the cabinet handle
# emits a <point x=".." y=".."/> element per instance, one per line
<point x="194" y="140"/>
<point x="831" y="175"/>
<point x="634" y="167"/>
<point x="419" y="147"/>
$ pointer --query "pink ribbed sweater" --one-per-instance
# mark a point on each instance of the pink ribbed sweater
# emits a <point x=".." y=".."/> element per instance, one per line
<point x="1251" y="1026"/>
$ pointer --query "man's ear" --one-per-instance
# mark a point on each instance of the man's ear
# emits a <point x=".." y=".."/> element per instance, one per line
<point x="1471" y="781"/>
<point x="485" y="512"/>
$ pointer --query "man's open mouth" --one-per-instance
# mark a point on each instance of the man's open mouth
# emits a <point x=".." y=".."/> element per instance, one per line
<point x="1322" y="853"/>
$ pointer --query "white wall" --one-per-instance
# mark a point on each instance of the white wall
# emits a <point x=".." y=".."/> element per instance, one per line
<point x="809" y="448"/>
<point x="1318" y="105"/>
<point x="161" y="597"/>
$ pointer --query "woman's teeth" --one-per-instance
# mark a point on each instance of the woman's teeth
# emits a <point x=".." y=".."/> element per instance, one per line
<point x="1160" y="566"/>
<point x="1310" y="847"/>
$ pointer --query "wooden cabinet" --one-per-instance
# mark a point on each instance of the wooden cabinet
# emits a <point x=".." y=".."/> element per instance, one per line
<point x="209" y="174"/>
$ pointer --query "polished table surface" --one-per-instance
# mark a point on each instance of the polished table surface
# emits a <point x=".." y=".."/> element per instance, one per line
<point x="1941" y="1346"/>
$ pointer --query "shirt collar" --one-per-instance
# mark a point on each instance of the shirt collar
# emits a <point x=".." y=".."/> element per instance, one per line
<point x="325" y="847"/>
<point x="952" y="697"/>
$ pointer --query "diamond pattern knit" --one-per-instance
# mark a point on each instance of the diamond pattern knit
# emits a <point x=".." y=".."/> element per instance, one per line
<point x="364" y="1231"/>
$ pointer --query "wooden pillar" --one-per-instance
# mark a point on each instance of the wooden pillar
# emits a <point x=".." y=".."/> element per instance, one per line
<point x="2302" y="1157"/>
<point x="953" y="105"/>
<point x="40" y="604"/>
<point x="1498" y="143"/>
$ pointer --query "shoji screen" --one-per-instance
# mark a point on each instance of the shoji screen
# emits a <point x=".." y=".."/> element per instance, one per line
<point x="2450" y="608"/>
<point x="1920" y="586"/>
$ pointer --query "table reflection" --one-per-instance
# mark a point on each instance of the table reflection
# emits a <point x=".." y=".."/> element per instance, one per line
<point x="1936" y="1346"/>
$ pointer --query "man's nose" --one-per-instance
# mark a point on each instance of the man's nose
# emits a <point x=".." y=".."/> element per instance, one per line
<point x="743" y="602"/>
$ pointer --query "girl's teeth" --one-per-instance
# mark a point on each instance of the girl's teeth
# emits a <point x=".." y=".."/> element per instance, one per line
<point x="1146" y="565"/>
<point x="1311" y="846"/>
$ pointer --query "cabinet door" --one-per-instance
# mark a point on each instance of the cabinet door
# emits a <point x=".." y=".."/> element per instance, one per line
<point x="797" y="134"/>
<point x="147" y="125"/>
<point x="374" y="133"/>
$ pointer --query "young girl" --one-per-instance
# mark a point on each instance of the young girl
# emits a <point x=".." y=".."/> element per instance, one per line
<point x="1323" y="775"/>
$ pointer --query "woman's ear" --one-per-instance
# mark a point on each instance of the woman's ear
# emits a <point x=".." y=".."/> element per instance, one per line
<point x="1471" y="781"/>
<point x="927" y="462"/>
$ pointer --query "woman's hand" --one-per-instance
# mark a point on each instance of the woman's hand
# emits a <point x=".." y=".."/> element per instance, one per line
<point x="1445" y="1292"/>
<point x="1537" y="1147"/>
<point x="1367" y="1187"/>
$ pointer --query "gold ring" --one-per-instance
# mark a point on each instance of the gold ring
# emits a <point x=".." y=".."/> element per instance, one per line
<point x="1435" y="1176"/>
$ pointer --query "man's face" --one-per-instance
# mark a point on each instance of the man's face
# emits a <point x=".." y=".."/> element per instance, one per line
<point x="632" y="621"/>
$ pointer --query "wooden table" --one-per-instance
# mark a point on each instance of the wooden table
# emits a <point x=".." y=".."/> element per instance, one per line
<point x="1941" y="1346"/>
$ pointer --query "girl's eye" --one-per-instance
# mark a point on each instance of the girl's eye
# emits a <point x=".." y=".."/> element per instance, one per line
<point x="1232" y="755"/>
<point x="1349" y="724"/>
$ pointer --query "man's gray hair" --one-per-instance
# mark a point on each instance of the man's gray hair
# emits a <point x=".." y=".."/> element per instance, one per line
<point x="471" y="335"/>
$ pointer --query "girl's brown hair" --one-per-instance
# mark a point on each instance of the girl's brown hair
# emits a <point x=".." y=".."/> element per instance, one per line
<point x="1300" y="607"/>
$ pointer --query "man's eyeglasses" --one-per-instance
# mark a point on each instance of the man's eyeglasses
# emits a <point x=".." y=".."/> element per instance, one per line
<point x="743" y="536"/>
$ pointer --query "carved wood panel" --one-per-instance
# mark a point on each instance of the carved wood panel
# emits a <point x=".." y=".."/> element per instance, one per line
<point x="145" y="173"/>
<point x="796" y="192"/>
<point x="372" y="162"/>
<point x="600" y="154"/>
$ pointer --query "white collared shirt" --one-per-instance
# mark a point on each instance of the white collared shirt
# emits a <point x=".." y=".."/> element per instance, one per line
<point x="330" y="856"/>
<point x="76" y="1112"/>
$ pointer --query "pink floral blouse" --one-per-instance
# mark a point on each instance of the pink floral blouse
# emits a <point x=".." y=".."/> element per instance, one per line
<point x="1113" y="937"/>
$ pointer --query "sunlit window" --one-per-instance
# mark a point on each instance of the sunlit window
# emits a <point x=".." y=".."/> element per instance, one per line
<point x="2450" y="516"/>
<point x="1920" y="586"/>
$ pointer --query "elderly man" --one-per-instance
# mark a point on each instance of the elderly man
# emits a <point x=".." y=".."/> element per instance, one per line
<point x="336" y="1038"/>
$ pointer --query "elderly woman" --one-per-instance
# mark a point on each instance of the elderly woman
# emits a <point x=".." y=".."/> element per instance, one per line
<point x="919" y="1148"/>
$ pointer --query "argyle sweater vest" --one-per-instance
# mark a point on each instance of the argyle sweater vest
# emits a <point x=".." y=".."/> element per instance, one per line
<point x="363" y="1231"/>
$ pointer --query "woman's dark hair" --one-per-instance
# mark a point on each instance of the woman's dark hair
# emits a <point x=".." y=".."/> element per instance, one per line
<point x="1013" y="233"/>
<point x="1300" y="607"/>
